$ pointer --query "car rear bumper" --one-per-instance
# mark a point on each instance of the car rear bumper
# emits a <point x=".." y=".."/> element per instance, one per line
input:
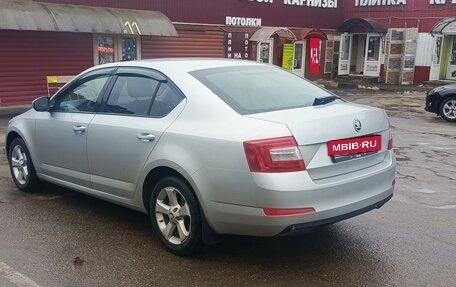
<point x="344" y="197"/>
<point x="305" y="227"/>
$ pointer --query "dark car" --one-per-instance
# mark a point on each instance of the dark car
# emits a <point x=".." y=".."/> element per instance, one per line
<point x="442" y="101"/>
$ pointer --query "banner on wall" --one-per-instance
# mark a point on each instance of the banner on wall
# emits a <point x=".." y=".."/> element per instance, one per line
<point x="287" y="59"/>
<point x="315" y="55"/>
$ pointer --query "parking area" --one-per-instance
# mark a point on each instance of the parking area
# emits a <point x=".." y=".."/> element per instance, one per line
<point x="62" y="238"/>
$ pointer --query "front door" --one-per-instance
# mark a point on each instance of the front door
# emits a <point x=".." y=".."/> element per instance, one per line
<point x="345" y="54"/>
<point x="61" y="134"/>
<point x="298" y="58"/>
<point x="140" y="107"/>
<point x="265" y="51"/>
<point x="451" y="68"/>
<point x="372" y="59"/>
<point x="436" y="58"/>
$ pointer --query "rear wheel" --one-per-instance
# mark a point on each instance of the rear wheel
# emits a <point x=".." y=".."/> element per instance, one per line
<point x="21" y="166"/>
<point x="448" y="109"/>
<point x="175" y="216"/>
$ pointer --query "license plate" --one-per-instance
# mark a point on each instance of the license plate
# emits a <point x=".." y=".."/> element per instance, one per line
<point x="355" y="145"/>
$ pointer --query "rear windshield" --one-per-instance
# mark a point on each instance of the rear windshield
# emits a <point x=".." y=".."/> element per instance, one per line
<point x="258" y="89"/>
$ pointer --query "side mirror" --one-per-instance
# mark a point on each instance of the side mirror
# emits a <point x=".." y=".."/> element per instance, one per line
<point x="41" y="104"/>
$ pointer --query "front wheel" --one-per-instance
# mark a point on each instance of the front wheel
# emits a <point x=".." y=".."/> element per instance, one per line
<point x="21" y="166"/>
<point x="175" y="216"/>
<point x="448" y="109"/>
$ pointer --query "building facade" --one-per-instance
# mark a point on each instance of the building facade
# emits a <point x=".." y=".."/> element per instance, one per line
<point x="405" y="41"/>
<point x="395" y="41"/>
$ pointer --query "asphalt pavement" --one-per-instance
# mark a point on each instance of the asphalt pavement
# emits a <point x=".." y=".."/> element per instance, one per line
<point x="62" y="238"/>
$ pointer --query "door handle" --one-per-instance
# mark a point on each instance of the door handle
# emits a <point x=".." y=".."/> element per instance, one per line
<point x="79" y="129"/>
<point x="145" y="137"/>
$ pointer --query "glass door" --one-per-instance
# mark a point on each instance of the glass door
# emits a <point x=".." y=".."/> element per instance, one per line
<point x="345" y="54"/>
<point x="451" y="69"/>
<point x="372" y="60"/>
<point x="436" y="58"/>
<point x="264" y="52"/>
<point x="298" y="58"/>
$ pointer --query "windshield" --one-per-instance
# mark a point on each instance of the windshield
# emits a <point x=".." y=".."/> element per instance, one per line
<point x="257" y="89"/>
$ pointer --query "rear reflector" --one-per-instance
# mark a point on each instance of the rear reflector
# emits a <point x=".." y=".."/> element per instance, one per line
<point x="288" y="211"/>
<point x="394" y="182"/>
<point x="274" y="155"/>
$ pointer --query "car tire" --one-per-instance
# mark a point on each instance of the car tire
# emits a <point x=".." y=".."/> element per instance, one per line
<point x="175" y="216"/>
<point x="448" y="109"/>
<point x="21" y="167"/>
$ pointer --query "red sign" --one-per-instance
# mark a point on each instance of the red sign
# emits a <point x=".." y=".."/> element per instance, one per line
<point x="315" y="55"/>
<point x="108" y="50"/>
<point x="355" y="145"/>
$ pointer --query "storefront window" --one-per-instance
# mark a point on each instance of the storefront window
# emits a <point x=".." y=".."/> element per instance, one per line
<point x="129" y="50"/>
<point x="105" y="49"/>
<point x="453" y="52"/>
<point x="109" y="49"/>
<point x="373" y="49"/>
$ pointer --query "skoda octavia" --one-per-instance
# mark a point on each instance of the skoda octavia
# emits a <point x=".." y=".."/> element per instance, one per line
<point x="207" y="147"/>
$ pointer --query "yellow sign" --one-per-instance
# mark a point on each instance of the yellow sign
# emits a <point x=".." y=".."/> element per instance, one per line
<point x="52" y="79"/>
<point x="287" y="59"/>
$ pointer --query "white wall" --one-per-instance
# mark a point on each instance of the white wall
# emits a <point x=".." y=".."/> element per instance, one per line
<point x="425" y="50"/>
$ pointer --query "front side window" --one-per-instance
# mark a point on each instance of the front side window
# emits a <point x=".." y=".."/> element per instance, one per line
<point x="83" y="97"/>
<point x="257" y="89"/>
<point x="131" y="95"/>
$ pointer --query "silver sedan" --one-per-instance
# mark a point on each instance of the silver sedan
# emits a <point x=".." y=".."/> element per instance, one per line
<point x="207" y="147"/>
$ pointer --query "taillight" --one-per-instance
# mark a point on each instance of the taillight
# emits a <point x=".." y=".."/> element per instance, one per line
<point x="390" y="141"/>
<point x="274" y="155"/>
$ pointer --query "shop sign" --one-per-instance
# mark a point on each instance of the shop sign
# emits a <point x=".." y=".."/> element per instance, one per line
<point x="312" y="3"/>
<point x="315" y="55"/>
<point x="308" y="3"/>
<point x="287" y="59"/>
<point x="237" y="45"/>
<point x="363" y="3"/>
<point x="432" y="2"/>
<point x="242" y="21"/>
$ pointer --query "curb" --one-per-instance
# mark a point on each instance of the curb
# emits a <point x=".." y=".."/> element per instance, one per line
<point x="386" y="87"/>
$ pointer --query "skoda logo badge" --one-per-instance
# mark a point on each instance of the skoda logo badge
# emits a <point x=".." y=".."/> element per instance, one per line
<point x="357" y="125"/>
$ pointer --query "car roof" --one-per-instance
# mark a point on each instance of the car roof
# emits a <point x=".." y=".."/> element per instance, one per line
<point x="181" y="64"/>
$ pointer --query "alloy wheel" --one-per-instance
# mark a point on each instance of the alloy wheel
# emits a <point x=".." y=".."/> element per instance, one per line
<point x="173" y="215"/>
<point x="449" y="109"/>
<point x="19" y="164"/>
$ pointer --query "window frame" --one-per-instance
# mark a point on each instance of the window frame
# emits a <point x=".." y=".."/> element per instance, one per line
<point x="79" y="81"/>
<point x="117" y="47"/>
<point x="142" y="72"/>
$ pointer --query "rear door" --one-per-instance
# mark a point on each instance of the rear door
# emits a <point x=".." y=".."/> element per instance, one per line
<point x="139" y="108"/>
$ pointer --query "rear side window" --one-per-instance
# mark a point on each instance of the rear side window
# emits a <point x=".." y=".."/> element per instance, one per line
<point x="131" y="95"/>
<point x="165" y="101"/>
<point x="257" y="89"/>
